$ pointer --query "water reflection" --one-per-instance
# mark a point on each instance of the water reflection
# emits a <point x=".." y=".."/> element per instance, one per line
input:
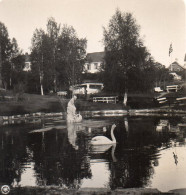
<point x="149" y="153"/>
<point x="72" y="129"/>
<point x="72" y="135"/>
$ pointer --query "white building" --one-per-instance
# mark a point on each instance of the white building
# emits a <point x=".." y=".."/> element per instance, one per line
<point x="94" y="62"/>
<point x="27" y="63"/>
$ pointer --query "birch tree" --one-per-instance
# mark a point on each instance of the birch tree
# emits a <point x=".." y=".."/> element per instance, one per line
<point x="37" y="56"/>
<point x="72" y="51"/>
<point x="124" y="51"/>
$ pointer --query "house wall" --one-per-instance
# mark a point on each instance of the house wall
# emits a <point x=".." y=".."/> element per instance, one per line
<point x="92" y="67"/>
<point x="27" y="66"/>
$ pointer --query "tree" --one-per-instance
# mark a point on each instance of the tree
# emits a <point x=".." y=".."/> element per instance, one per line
<point x="5" y="53"/>
<point x="71" y="55"/>
<point x="17" y="63"/>
<point x="124" y="52"/>
<point x="37" y="56"/>
<point x="53" y="30"/>
<point x="11" y="60"/>
<point x="161" y="73"/>
<point x="57" y="56"/>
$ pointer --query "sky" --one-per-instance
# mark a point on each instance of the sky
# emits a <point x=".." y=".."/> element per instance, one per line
<point x="162" y="22"/>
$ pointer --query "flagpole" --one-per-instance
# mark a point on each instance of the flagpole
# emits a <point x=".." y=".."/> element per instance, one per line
<point x="170" y="55"/>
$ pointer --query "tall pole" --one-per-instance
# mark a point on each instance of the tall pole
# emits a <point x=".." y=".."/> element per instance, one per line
<point x="170" y="55"/>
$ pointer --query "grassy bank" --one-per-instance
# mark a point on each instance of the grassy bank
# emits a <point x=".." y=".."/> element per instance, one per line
<point x="31" y="103"/>
<point x="14" y="104"/>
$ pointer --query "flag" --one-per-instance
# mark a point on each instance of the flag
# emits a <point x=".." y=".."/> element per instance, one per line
<point x="170" y="49"/>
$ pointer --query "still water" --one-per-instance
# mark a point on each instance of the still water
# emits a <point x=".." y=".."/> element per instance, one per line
<point x="150" y="152"/>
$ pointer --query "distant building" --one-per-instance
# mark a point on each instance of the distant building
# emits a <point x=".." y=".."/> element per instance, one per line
<point x="176" y="70"/>
<point x="27" y="63"/>
<point x="94" y="62"/>
<point x="175" y="67"/>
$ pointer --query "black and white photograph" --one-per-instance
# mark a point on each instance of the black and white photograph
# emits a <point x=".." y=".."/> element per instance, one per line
<point x="93" y="97"/>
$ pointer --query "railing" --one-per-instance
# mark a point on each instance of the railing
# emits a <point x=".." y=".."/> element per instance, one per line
<point x="172" y="87"/>
<point x="112" y="99"/>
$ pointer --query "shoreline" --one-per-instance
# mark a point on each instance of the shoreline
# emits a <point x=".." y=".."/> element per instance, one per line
<point x="11" y="119"/>
<point x="101" y="112"/>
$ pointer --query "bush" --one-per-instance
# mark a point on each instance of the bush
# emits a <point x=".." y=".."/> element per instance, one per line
<point x="19" y="91"/>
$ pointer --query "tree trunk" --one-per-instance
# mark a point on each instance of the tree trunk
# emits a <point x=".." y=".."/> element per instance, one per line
<point x="41" y="83"/>
<point x="42" y="90"/>
<point x="41" y="76"/>
<point x="125" y="99"/>
<point x="126" y="89"/>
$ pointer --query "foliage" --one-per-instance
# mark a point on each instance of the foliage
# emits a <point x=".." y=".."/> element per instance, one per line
<point x="11" y="59"/>
<point x="19" y="90"/>
<point x="5" y="53"/>
<point x="160" y="74"/>
<point x="91" y="77"/>
<point x="57" y="55"/>
<point x="127" y="61"/>
<point x="71" y="51"/>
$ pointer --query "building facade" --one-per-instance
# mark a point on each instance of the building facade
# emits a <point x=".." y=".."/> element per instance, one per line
<point x="27" y="63"/>
<point x="94" y="62"/>
<point x="175" y="67"/>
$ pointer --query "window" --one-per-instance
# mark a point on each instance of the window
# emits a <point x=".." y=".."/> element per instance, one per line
<point x="96" y="65"/>
<point x="84" y="86"/>
<point x="88" y="67"/>
<point x="95" y="86"/>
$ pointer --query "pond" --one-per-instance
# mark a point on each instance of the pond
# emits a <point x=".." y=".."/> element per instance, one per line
<point x="150" y="152"/>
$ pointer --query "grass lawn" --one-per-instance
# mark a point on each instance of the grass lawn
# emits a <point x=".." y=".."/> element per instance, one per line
<point x="31" y="103"/>
<point x="11" y="104"/>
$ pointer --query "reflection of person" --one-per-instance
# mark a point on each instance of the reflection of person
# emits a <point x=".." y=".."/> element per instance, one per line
<point x="72" y="136"/>
<point x="71" y="111"/>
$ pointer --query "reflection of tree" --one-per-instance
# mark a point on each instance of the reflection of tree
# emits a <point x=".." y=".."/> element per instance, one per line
<point x="12" y="153"/>
<point x="133" y="169"/>
<point x="59" y="164"/>
<point x="136" y="153"/>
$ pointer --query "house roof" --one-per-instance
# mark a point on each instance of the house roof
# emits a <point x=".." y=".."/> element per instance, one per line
<point x="95" y="57"/>
<point x="176" y="63"/>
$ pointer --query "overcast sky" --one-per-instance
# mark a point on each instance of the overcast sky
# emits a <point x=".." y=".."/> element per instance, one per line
<point x="162" y="21"/>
